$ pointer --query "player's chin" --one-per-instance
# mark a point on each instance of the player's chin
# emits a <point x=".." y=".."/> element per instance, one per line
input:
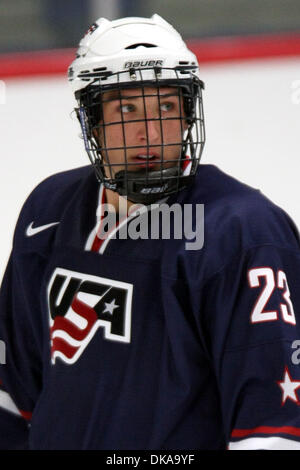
<point x="151" y="166"/>
<point x="143" y="168"/>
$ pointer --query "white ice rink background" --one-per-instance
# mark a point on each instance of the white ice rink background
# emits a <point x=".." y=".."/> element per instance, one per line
<point x="252" y="112"/>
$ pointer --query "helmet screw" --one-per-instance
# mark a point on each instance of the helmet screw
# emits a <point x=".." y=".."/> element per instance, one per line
<point x="132" y="74"/>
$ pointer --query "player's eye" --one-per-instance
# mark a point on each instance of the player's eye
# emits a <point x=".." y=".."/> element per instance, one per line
<point x="127" y="108"/>
<point x="167" y="106"/>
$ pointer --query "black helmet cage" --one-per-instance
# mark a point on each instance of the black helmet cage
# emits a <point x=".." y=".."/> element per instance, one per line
<point x="146" y="185"/>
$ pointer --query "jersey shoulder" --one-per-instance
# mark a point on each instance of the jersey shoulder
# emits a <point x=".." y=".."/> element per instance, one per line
<point x="50" y="198"/>
<point x="57" y="186"/>
<point x="238" y="216"/>
<point x="214" y="186"/>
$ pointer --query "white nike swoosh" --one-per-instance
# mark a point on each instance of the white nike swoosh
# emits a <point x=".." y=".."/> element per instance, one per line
<point x="34" y="230"/>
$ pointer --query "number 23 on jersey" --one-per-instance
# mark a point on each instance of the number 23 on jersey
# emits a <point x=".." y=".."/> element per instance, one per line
<point x="268" y="281"/>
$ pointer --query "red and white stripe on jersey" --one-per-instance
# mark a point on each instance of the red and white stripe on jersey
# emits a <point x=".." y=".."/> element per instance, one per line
<point x="186" y="166"/>
<point x="7" y="404"/>
<point x="98" y="238"/>
<point x="266" y="438"/>
<point x="99" y="216"/>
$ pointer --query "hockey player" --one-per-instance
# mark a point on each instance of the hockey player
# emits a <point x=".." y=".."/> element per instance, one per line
<point x="115" y="341"/>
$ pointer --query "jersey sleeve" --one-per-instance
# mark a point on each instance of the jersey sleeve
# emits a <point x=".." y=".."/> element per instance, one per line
<point x="22" y="334"/>
<point x="20" y="367"/>
<point x="253" y="324"/>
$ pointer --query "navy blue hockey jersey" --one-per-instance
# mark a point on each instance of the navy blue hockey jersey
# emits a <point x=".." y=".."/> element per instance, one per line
<point x="140" y="343"/>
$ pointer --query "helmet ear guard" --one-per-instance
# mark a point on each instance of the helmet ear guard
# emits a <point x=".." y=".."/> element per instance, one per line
<point x="93" y="75"/>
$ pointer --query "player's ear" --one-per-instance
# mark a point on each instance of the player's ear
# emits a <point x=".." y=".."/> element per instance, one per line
<point x="185" y="124"/>
<point x="97" y="132"/>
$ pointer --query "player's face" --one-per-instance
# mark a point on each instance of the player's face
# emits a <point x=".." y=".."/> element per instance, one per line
<point x="138" y="130"/>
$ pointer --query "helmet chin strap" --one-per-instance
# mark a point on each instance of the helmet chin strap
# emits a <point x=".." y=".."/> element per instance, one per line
<point x="150" y="187"/>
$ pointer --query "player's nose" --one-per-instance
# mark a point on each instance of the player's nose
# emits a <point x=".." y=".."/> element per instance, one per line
<point x="150" y="130"/>
<point x="153" y="129"/>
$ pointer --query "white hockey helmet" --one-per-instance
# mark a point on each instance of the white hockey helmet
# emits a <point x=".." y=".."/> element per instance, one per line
<point x="136" y="53"/>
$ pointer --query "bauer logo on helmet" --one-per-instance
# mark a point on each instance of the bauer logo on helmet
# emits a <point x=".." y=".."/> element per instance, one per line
<point x="143" y="63"/>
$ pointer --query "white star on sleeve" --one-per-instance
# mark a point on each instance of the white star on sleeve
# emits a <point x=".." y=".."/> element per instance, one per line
<point x="289" y="388"/>
<point x="110" y="307"/>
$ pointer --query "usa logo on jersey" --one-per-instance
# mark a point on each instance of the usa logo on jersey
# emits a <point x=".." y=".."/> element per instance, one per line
<point x="78" y="305"/>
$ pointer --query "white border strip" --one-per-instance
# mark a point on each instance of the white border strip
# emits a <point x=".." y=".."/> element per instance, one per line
<point x="265" y="443"/>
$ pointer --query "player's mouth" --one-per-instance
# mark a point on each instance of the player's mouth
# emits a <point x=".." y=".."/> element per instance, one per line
<point x="147" y="160"/>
